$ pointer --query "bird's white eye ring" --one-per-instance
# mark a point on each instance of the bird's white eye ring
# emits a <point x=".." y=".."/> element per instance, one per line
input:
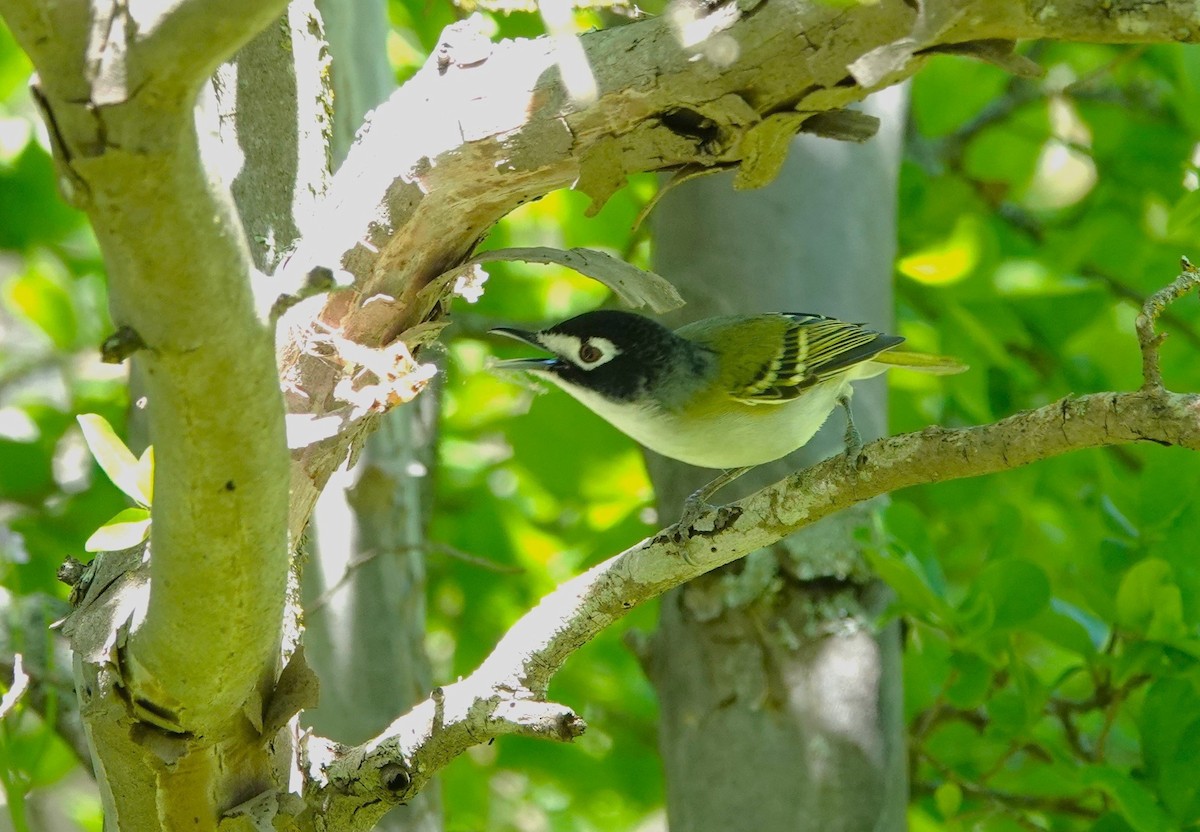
<point x="589" y="353"/>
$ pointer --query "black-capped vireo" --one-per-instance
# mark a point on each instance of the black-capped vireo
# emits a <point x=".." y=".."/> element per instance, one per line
<point x="729" y="392"/>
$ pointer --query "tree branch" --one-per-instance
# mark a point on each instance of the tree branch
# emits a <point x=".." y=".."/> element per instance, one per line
<point x="498" y="129"/>
<point x="105" y="52"/>
<point x="189" y="39"/>
<point x="514" y="678"/>
<point x="1154" y="307"/>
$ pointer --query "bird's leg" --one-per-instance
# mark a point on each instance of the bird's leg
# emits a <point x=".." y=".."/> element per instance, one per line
<point x="697" y="504"/>
<point x="725" y="478"/>
<point x="854" y="441"/>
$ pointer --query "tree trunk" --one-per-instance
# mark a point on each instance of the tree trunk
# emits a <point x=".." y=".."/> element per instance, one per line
<point x="261" y="109"/>
<point x="781" y="699"/>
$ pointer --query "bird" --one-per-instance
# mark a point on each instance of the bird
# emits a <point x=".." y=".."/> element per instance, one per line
<point x="730" y="392"/>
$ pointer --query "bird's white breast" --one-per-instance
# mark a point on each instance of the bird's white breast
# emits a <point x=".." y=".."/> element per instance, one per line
<point x="743" y="436"/>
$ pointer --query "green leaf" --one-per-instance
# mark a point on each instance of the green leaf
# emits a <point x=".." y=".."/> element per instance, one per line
<point x="31" y="211"/>
<point x="126" y="471"/>
<point x="1183" y="222"/>
<point x="949" y="260"/>
<point x="948" y="797"/>
<point x="1067" y="630"/>
<point x="976" y="615"/>
<point x="1111" y="822"/>
<point x="125" y="530"/>
<point x="970" y="682"/>
<point x="1018" y="589"/>
<point x="1008" y="151"/>
<point x="1007" y="714"/>
<point x="1135" y="802"/>
<point x="1178" y="784"/>
<point x="1140" y="658"/>
<point x="1016" y="708"/>
<point x="25" y="471"/>
<point x="1149" y="602"/>
<point x="46" y="304"/>
<point x="145" y="475"/>
<point x="1169" y="725"/>
<point x="14" y="65"/>
<point x="951" y="90"/>
<point x="1166" y="493"/>
<point x="907" y="578"/>
<point x="32" y="748"/>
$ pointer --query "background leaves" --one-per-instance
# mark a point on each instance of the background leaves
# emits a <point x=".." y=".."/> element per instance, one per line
<point x="1052" y="663"/>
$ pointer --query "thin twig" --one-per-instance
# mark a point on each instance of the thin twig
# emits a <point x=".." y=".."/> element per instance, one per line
<point x="1009" y="801"/>
<point x="1112" y="709"/>
<point x="1148" y="340"/>
<point x="1059" y="709"/>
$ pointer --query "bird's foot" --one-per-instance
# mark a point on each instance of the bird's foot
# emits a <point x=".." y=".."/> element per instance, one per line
<point x="854" y="442"/>
<point x="702" y="517"/>
<point x="695" y="507"/>
<point x="699" y="517"/>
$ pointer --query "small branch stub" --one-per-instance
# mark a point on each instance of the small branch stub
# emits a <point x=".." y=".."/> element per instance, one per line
<point x="120" y="345"/>
<point x="539" y="719"/>
<point x="72" y="571"/>
<point x="395" y="778"/>
<point x="1155" y="305"/>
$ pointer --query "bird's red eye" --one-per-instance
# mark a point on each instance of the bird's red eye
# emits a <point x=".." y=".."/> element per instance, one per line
<point x="589" y="353"/>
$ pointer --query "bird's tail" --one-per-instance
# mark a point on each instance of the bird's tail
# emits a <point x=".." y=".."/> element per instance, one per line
<point x="922" y="362"/>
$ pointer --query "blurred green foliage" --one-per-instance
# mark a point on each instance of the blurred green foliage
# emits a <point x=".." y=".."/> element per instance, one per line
<point x="53" y="314"/>
<point x="1052" y="664"/>
<point x="1054" y="612"/>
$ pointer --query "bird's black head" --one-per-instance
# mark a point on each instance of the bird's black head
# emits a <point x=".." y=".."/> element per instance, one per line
<point x="618" y="355"/>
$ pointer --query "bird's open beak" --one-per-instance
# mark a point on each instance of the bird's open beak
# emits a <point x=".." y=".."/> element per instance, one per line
<point x="527" y="364"/>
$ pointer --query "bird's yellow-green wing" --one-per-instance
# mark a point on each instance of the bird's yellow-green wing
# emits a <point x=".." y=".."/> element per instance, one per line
<point x="774" y="358"/>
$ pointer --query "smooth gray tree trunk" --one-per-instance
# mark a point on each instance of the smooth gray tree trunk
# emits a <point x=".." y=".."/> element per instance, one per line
<point x="781" y="699"/>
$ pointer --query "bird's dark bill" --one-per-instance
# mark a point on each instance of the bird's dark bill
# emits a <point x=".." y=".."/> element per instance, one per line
<point x="528" y="364"/>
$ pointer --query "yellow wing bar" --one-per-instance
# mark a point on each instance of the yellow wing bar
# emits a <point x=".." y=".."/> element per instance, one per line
<point x="813" y="348"/>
